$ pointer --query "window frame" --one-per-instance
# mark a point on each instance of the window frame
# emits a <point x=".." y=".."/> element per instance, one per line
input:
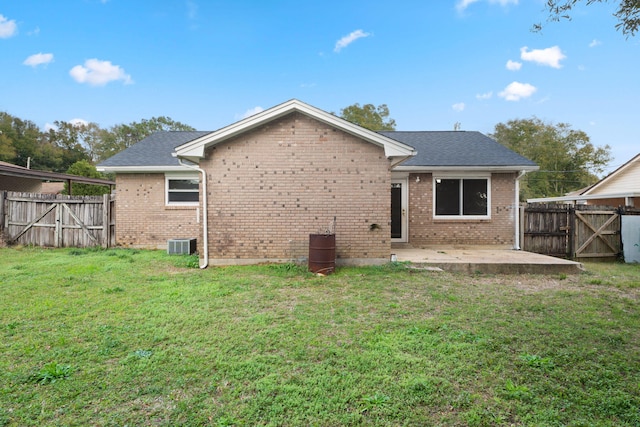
<point x="177" y="177"/>
<point x="461" y="177"/>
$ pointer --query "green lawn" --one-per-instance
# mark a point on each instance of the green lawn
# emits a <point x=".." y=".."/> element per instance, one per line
<point x="137" y="338"/>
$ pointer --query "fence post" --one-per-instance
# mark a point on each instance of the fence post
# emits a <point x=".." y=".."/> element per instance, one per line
<point x="57" y="231"/>
<point x="3" y="214"/>
<point x="523" y="208"/>
<point x="571" y="244"/>
<point x="106" y="220"/>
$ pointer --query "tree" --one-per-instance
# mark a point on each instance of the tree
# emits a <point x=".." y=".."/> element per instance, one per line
<point x="568" y="160"/>
<point x="84" y="168"/>
<point x="75" y="141"/>
<point x="123" y="136"/>
<point x="19" y="140"/>
<point x="368" y="116"/>
<point x="628" y="13"/>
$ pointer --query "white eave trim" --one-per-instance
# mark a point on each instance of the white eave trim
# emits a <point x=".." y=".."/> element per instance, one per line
<point x="142" y="169"/>
<point x="194" y="150"/>
<point x="428" y="169"/>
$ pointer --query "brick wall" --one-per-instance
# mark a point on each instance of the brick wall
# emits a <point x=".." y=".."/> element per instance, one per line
<point x="272" y="186"/>
<point x="425" y="230"/>
<point x="143" y="219"/>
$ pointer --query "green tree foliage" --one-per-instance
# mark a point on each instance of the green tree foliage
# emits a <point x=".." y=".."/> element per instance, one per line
<point x="567" y="160"/>
<point x="84" y="168"/>
<point x="19" y="140"/>
<point x="123" y="136"/>
<point x="368" y="116"/>
<point x="71" y="140"/>
<point x="627" y="13"/>
<point x="56" y="149"/>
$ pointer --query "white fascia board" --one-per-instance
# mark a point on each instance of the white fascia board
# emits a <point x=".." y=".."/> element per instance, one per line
<point x="613" y="174"/>
<point x="583" y="197"/>
<point x="428" y="169"/>
<point x="142" y="169"/>
<point x="194" y="150"/>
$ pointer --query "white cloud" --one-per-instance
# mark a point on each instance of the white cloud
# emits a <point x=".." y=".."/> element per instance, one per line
<point x="49" y="126"/>
<point x="251" y="111"/>
<point x="458" y="107"/>
<point x="515" y="91"/>
<point x="550" y="56"/>
<point x="192" y="10"/>
<point x="595" y="43"/>
<point x="348" y="39"/>
<point x="8" y="27"/>
<point x="463" y="4"/>
<point x="38" y="59"/>
<point x="78" y="122"/>
<point x="99" y="73"/>
<point x="482" y="96"/>
<point x="513" y="65"/>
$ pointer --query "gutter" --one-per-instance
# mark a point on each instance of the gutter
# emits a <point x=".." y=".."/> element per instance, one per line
<point x="205" y="216"/>
<point x="516" y="239"/>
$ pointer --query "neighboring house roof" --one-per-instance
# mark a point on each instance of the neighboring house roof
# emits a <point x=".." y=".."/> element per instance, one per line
<point x="621" y="183"/>
<point x="458" y="150"/>
<point x="625" y="178"/>
<point x="152" y="154"/>
<point x="194" y="150"/>
<point x="22" y="172"/>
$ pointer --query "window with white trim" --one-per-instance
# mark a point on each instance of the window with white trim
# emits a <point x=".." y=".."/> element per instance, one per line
<point x="458" y="198"/>
<point x="182" y="190"/>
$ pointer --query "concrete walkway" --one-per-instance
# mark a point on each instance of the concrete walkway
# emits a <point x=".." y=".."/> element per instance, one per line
<point x="485" y="259"/>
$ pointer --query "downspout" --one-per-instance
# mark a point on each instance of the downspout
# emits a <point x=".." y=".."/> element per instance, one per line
<point x="205" y="217"/>
<point x="516" y="240"/>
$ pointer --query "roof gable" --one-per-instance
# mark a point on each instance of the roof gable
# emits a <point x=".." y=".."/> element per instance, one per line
<point x="624" y="179"/>
<point x="458" y="149"/>
<point x="194" y="150"/>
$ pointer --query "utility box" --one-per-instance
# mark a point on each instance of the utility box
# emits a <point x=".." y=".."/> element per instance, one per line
<point x="181" y="246"/>
<point x="630" y="229"/>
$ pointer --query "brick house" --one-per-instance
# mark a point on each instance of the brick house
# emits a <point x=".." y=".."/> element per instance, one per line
<point x="253" y="191"/>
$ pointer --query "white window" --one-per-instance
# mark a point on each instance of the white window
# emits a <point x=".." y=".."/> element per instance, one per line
<point x="462" y="197"/>
<point x="182" y="189"/>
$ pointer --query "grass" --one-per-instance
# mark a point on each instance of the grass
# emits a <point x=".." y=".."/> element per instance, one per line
<point x="121" y="337"/>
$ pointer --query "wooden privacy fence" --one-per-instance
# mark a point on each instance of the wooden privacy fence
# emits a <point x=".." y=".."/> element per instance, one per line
<point x="57" y="221"/>
<point x="580" y="231"/>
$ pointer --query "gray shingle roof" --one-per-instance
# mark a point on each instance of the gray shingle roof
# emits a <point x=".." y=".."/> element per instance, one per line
<point x="434" y="148"/>
<point x="154" y="150"/>
<point x="456" y="148"/>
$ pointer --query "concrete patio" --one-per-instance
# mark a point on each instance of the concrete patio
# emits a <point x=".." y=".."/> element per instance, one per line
<point x="484" y="259"/>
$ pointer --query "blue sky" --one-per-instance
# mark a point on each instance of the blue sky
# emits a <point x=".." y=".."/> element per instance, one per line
<point x="210" y="63"/>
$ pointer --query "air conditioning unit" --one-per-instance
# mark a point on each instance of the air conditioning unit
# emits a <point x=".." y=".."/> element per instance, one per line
<point x="181" y="246"/>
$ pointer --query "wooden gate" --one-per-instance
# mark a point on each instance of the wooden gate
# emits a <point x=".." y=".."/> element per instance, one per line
<point x="568" y="231"/>
<point x="58" y="221"/>
<point x="597" y="233"/>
